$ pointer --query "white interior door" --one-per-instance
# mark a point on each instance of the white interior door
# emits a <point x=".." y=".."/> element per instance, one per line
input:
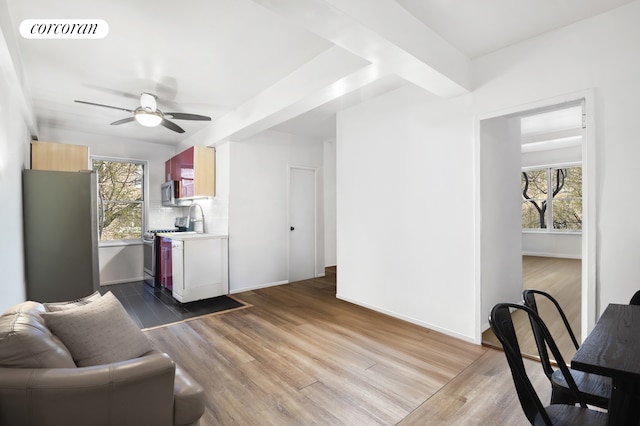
<point x="302" y="221"/>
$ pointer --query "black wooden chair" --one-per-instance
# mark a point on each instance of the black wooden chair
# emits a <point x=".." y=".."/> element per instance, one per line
<point x="595" y="389"/>
<point x="635" y="299"/>
<point x="538" y="414"/>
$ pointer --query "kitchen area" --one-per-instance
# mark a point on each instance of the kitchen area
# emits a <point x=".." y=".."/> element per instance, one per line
<point x="184" y="246"/>
<point x="186" y="260"/>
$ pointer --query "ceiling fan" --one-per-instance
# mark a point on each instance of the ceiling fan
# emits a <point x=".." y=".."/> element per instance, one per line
<point x="148" y="114"/>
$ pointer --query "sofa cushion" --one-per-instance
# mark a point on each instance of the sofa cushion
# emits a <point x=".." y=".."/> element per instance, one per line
<point x="25" y="341"/>
<point x="100" y="332"/>
<point x="63" y="306"/>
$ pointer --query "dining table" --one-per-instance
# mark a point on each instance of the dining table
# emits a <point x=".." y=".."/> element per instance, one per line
<point x="612" y="349"/>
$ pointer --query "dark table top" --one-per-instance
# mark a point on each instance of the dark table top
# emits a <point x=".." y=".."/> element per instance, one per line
<point x="613" y="347"/>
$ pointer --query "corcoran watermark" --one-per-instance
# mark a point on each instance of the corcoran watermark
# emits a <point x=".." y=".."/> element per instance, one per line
<point x="64" y="28"/>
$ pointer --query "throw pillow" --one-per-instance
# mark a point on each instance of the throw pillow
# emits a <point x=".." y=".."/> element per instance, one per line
<point x="63" y="306"/>
<point x="100" y="332"/>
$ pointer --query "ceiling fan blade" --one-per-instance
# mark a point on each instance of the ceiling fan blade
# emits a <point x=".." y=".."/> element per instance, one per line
<point x="105" y="106"/>
<point x="172" y="126"/>
<point x="185" y="116"/>
<point x="124" y="120"/>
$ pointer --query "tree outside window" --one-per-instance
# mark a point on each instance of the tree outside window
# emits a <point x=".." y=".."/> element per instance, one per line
<point x="121" y="198"/>
<point x="552" y="199"/>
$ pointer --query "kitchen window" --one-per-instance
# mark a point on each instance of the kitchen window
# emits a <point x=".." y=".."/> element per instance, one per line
<point x="552" y="199"/>
<point x="121" y="195"/>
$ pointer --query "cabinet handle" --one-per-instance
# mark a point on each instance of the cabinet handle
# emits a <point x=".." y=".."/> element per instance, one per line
<point x="293" y="229"/>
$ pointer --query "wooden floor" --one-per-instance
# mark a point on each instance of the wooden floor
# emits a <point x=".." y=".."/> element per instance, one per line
<point x="561" y="278"/>
<point x="300" y="356"/>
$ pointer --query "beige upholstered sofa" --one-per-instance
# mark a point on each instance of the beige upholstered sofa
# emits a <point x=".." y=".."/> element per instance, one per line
<point x="44" y="381"/>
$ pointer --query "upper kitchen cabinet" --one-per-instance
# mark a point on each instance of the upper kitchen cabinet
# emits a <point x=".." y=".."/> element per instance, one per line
<point x="195" y="170"/>
<point x="59" y="156"/>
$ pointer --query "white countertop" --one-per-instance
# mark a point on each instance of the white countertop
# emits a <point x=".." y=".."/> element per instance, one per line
<point x="182" y="236"/>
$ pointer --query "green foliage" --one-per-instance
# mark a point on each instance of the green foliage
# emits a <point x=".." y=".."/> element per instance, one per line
<point x="120" y="187"/>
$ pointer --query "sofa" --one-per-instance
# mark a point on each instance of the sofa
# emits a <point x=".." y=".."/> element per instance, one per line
<point x="82" y="363"/>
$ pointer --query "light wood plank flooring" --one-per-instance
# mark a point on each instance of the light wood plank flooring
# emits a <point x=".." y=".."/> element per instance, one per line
<point x="561" y="278"/>
<point x="300" y="356"/>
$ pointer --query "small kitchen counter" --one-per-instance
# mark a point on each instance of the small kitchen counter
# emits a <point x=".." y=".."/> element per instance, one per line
<point x="199" y="265"/>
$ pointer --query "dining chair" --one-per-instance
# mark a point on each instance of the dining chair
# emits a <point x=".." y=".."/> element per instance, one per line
<point x="538" y="414"/>
<point x="595" y="389"/>
<point x="635" y="299"/>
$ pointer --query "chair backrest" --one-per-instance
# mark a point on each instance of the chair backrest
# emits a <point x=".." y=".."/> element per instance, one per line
<point x="502" y="325"/>
<point x="529" y="297"/>
<point x="635" y="299"/>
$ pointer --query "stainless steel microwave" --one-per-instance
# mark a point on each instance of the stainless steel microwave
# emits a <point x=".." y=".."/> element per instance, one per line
<point x="169" y="193"/>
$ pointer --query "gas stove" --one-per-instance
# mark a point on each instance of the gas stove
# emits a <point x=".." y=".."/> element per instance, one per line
<point x="150" y="235"/>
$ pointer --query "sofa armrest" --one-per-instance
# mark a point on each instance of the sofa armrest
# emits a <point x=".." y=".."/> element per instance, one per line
<point x="188" y="399"/>
<point x="133" y="392"/>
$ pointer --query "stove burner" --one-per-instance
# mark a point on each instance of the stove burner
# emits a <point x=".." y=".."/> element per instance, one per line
<point x="150" y="235"/>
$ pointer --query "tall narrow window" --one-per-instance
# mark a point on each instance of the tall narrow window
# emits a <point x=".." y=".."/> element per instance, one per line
<point x="552" y="199"/>
<point x="121" y="198"/>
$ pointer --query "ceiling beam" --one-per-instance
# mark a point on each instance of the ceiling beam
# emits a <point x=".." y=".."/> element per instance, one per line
<point x="372" y="39"/>
<point x="386" y="34"/>
<point x="328" y="76"/>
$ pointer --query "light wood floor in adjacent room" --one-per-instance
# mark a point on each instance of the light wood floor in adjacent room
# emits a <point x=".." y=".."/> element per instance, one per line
<point x="299" y="356"/>
<point x="561" y="278"/>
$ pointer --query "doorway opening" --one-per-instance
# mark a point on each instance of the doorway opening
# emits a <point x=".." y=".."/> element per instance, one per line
<point x="556" y="255"/>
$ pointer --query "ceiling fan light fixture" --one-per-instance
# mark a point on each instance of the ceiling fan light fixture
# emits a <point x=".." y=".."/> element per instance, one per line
<point x="147" y="118"/>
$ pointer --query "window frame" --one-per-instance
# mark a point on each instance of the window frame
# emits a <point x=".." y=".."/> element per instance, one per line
<point x="549" y="229"/>
<point x="144" y="203"/>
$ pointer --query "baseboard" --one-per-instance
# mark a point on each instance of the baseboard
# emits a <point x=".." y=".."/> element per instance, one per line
<point x="410" y="320"/>
<point x="122" y="281"/>
<point x="556" y="255"/>
<point x="257" y="287"/>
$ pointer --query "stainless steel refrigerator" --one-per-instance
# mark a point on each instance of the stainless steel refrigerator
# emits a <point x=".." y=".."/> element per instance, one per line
<point x="60" y="234"/>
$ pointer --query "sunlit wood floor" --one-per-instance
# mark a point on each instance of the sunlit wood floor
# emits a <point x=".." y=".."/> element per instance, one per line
<point x="301" y="356"/>
<point x="561" y="278"/>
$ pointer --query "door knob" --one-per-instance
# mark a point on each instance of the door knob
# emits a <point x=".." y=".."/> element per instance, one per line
<point x="292" y="228"/>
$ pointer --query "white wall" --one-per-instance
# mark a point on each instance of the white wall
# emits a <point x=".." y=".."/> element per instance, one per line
<point x="405" y="188"/>
<point x="405" y="161"/>
<point x="500" y="214"/>
<point x="13" y="140"/>
<point x="258" y="207"/>
<point x="14" y="157"/>
<point x="548" y="244"/>
<point x="330" y="256"/>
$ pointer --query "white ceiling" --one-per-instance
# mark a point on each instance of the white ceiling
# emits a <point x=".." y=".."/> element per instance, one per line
<point x="258" y="64"/>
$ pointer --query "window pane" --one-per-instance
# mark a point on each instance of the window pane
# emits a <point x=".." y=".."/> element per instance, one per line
<point x="531" y="217"/>
<point x="567" y="214"/>
<point x="120" y="188"/>
<point x="534" y="196"/>
<point x="122" y="221"/>
<point x="534" y="184"/>
<point x="119" y="180"/>
<point x="567" y="183"/>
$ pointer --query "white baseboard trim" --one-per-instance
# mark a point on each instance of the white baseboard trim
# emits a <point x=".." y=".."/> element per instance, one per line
<point x="122" y="281"/>
<point x="448" y="332"/>
<point x="256" y="287"/>
<point x="558" y="255"/>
